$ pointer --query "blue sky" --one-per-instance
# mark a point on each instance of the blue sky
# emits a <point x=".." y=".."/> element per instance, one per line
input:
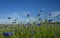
<point x="19" y="8"/>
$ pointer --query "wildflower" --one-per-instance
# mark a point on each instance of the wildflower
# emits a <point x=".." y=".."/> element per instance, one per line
<point x="14" y="22"/>
<point x="28" y="23"/>
<point x="55" y="34"/>
<point x="46" y="20"/>
<point x="38" y="14"/>
<point x="9" y="17"/>
<point x="59" y="14"/>
<point x="38" y="24"/>
<point x="7" y="34"/>
<point x="18" y="24"/>
<point x="28" y="15"/>
<point x="6" y="26"/>
<point x="50" y="20"/>
<point x="33" y="32"/>
<point x="33" y="22"/>
<point x="50" y="14"/>
<point x="15" y="19"/>
<point x="40" y="10"/>
<point x="39" y="19"/>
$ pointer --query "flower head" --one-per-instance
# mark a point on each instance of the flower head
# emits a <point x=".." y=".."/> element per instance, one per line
<point x="9" y="18"/>
<point x="6" y="26"/>
<point x="39" y="19"/>
<point x="50" y="14"/>
<point x="13" y="22"/>
<point x="40" y="10"/>
<point x="7" y="33"/>
<point x="18" y="24"/>
<point x="28" y="23"/>
<point x="38" y="14"/>
<point x="59" y="14"/>
<point x="50" y="20"/>
<point x="28" y="15"/>
<point x="33" y="32"/>
<point x="55" y="34"/>
<point x="38" y="24"/>
<point x="15" y="19"/>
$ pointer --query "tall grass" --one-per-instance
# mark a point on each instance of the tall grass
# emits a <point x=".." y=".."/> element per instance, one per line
<point x="45" y="30"/>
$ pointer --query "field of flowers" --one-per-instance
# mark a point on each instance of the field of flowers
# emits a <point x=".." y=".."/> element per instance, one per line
<point x="34" y="30"/>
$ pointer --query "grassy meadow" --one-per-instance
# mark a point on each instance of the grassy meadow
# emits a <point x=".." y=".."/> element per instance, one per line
<point x="34" y="30"/>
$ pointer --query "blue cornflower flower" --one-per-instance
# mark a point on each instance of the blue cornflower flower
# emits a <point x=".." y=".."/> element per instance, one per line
<point x="38" y="14"/>
<point x="28" y="15"/>
<point x="7" y="34"/>
<point x="15" y="19"/>
<point x="13" y="22"/>
<point x="18" y="24"/>
<point x="28" y="23"/>
<point x="33" y="32"/>
<point x="59" y="14"/>
<point x="50" y="14"/>
<point x="9" y="17"/>
<point x="50" y="20"/>
<point x="38" y="24"/>
<point x="55" y="34"/>
<point x="40" y="10"/>
<point x="39" y="19"/>
<point x="6" y="26"/>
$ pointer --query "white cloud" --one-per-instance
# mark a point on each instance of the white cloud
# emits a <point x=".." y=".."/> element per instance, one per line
<point x="55" y="13"/>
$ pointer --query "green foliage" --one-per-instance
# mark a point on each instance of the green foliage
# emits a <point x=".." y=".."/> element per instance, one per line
<point x="46" y="30"/>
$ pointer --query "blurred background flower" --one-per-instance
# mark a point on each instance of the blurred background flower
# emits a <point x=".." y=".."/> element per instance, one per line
<point x="50" y="14"/>
<point x="39" y="18"/>
<point x="38" y="24"/>
<point x="8" y="34"/>
<point x="50" y="20"/>
<point x="28" y="15"/>
<point x="9" y="18"/>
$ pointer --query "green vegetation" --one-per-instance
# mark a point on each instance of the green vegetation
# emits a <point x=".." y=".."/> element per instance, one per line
<point x="45" y="30"/>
